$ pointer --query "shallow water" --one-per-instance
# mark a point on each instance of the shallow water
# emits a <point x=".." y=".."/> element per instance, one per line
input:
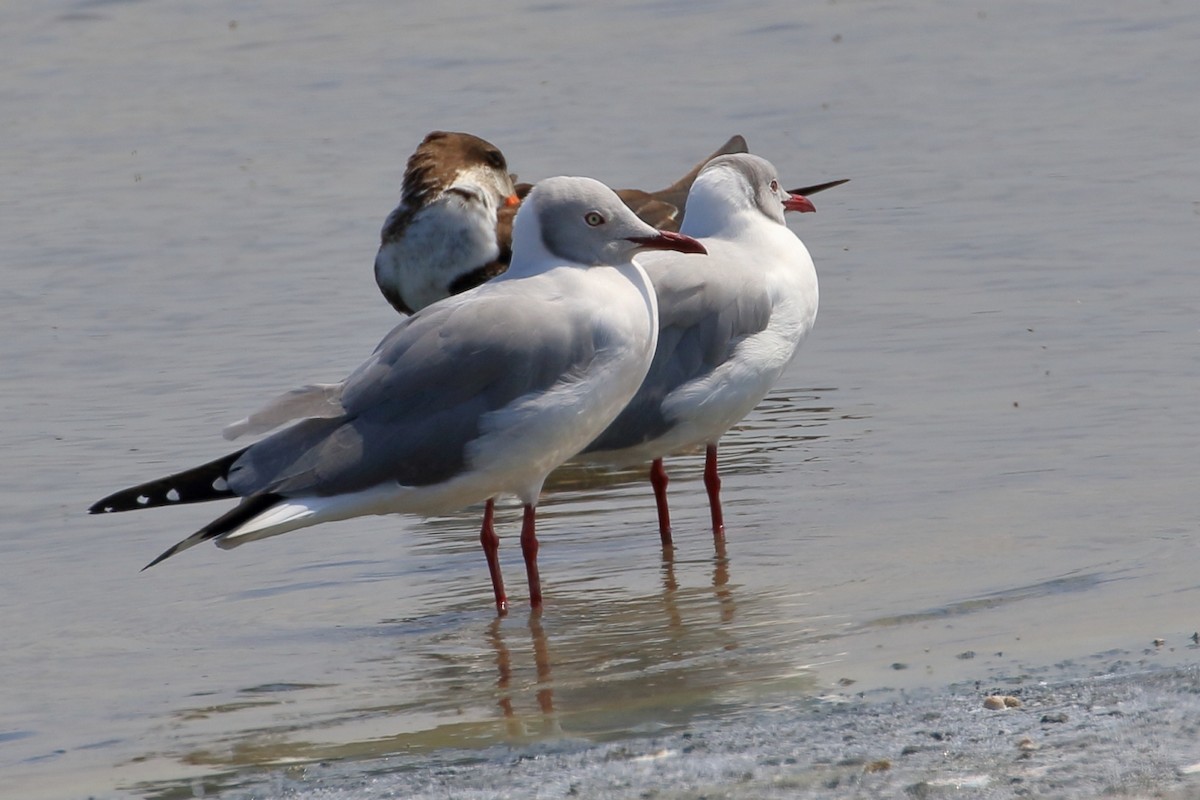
<point x="987" y="444"/>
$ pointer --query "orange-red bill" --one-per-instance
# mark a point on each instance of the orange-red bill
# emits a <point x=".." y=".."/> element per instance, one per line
<point x="798" y="202"/>
<point x="669" y="240"/>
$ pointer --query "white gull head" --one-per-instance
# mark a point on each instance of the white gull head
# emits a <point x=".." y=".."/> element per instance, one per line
<point x="582" y="222"/>
<point x="735" y="190"/>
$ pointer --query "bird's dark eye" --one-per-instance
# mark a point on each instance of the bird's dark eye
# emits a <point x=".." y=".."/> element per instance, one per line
<point x="774" y="186"/>
<point x="593" y="218"/>
<point x="494" y="159"/>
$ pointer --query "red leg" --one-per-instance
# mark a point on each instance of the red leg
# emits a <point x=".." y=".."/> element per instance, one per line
<point x="659" y="480"/>
<point x="491" y="549"/>
<point x="529" y="549"/>
<point x="712" y="482"/>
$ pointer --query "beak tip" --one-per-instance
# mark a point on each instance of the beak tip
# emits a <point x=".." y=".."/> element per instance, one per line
<point x="798" y="203"/>
<point x="669" y="240"/>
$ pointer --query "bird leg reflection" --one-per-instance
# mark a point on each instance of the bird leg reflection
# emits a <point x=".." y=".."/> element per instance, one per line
<point x="722" y="590"/>
<point x="504" y="668"/>
<point x="541" y="659"/>
<point x="670" y="589"/>
<point x="720" y="582"/>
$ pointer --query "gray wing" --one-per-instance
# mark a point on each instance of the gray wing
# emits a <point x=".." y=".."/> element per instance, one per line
<point x="701" y="320"/>
<point x="412" y="408"/>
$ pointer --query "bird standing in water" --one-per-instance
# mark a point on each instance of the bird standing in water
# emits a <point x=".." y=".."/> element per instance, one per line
<point x="479" y="395"/>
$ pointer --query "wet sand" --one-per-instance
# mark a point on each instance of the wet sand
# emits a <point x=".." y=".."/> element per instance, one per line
<point x="1117" y="724"/>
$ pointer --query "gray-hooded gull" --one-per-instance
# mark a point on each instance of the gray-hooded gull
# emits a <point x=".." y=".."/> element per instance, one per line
<point x="730" y="321"/>
<point x="479" y="395"/>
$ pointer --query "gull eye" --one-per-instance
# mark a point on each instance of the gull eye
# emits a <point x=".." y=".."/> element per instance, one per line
<point x="593" y="218"/>
<point x="774" y="185"/>
<point x="494" y="159"/>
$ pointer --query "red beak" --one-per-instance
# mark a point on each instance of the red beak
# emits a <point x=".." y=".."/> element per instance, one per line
<point x="668" y="240"/>
<point x="798" y="202"/>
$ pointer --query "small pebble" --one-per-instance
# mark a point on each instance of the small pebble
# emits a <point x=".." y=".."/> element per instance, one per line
<point x="882" y="765"/>
<point x="1000" y="701"/>
<point x="1058" y="716"/>
<point x="1026" y="744"/>
<point x="1159" y="642"/>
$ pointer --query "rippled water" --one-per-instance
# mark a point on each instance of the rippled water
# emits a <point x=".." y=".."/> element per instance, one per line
<point x="987" y="445"/>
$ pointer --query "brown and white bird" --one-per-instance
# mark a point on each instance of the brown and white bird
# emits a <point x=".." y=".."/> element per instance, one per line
<point x="443" y="238"/>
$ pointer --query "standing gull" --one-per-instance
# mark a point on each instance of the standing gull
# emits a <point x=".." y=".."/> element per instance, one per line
<point x="729" y="323"/>
<point x="479" y="395"/>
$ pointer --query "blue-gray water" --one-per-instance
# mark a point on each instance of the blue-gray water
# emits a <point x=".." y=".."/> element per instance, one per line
<point x="987" y="444"/>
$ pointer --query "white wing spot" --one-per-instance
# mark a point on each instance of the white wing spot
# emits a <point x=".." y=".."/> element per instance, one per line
<point x="220" y="484"/>
<point x="173" y="496"/>
<point x="142" y="499"/>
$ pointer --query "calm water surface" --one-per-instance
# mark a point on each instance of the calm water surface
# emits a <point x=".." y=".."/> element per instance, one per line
<point x="988" y="443"/>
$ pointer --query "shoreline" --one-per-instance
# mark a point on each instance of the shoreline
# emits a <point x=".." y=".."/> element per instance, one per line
<point x="1116" y="724"/>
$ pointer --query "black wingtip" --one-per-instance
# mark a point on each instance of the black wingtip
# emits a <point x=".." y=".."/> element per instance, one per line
<point x="197" y="485"/>
<point x="170" y="551"/>
<point x="108" y="504"/>
<point x="244" y="511"/>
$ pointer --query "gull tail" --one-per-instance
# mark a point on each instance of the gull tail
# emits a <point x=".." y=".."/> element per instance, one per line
<point x="245" y="511"/>
<point x="196" y="485"/>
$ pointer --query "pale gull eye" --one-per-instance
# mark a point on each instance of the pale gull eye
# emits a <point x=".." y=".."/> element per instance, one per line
<point x="593" y="218"/>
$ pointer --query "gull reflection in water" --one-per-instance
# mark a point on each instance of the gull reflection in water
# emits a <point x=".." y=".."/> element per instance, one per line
<point x="613" y="652"/>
